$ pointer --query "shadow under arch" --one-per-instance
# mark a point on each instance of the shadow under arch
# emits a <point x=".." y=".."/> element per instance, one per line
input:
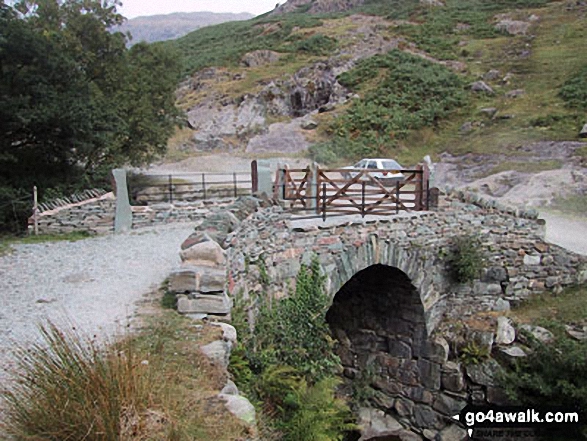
<point x="379" y="321"/>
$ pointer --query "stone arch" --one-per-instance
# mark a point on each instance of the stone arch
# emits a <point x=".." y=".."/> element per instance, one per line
<point x="379" y="321"/>
<point x="421" y="266"/>
<point x="377" y="311"/>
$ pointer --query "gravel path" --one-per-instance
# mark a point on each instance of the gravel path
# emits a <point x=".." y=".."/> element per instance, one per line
<point x="93" y="283"/>
<point x="568" y="231"/>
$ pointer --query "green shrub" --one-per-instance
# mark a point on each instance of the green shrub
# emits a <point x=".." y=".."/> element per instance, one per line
<point x="286" y="364"/>
<point x="411" y="93"/>
<point x="574" y="90"/>
<point x="316" y="45"/>
<point x="465" y="259"/>
<point x="472" y="353"/>
<point x="552" y="375"/>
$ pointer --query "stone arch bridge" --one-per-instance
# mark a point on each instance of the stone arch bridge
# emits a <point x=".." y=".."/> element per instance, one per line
<point x="394" y="303"/>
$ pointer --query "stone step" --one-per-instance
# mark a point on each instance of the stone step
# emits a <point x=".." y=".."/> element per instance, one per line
<point x="204" y="304"/>
<point x="203" y="279"/>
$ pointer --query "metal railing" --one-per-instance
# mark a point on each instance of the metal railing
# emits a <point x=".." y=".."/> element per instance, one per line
<point x="188" y="187"/>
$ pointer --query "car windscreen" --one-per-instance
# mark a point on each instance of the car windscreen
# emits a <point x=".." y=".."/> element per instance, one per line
<point x="391" y="165"/>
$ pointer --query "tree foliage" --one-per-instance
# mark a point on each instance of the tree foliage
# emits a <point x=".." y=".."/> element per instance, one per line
<point x="74" y="101"/>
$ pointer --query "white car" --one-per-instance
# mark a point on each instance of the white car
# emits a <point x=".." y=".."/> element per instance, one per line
<point x="389" y="174"/>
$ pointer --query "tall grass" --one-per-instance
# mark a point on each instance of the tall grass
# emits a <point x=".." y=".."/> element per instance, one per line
<point x="70" y="388"/>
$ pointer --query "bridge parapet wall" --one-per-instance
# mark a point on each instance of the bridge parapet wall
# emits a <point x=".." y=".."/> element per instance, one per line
<point x="267" y="250"/>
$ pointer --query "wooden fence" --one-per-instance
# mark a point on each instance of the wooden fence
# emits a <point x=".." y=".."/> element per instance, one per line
<point x="326" y="192"/>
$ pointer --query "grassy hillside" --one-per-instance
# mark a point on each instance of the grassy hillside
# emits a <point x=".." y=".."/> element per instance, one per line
<point x="539" y="77"/>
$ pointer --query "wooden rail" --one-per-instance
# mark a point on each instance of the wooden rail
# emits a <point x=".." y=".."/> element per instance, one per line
<point x="364" y="191"/>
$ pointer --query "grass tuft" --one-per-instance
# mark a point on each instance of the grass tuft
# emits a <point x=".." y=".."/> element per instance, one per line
<point x="69" y="388"/>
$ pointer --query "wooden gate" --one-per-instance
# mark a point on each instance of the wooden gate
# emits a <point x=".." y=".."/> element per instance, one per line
<point x="353" y="191"/>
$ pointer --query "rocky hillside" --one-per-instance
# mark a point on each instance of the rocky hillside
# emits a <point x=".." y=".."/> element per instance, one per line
<point x="168" y="27"/>
<point x="343" y="79"/>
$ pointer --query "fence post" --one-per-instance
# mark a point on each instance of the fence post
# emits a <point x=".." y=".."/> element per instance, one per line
<point x="170" y="189"/>
<point x="426" y="186"/>
<point x="323" y="201"/>
<point x="35" y="210"/>
<point x="204" y="184"/>
<point x="418" y="189"/>
<point x="362" y="198"/>
<point x="254" y="177"/>
<point x="234" y="183"/>
<point x="397" y="195"/>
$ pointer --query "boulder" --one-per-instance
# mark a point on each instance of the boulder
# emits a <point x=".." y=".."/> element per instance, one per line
<point x="510" y="354"/>
<point x="513" y="27"/>
<point x="505" y="333"/>
<point x="577" y="333"/>
<point x="583" y="132"/>
<point x="228" y="331"/>
<point x="541" y="334"/>
<point x="206" y="252"/>
<point x="482" y="87"/>
<point x="259" y="58"/>
<point x="491" y="75"/>
<point x="218" y="352"/>
<point x="230" y="388"/>
<point x="240" y="407"/>
<point x="515" y="93"/>
<point x="452" y="377"/>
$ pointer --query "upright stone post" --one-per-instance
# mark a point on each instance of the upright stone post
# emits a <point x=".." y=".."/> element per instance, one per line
<point x="123" y="218"/>
<point x="264" y="180"/>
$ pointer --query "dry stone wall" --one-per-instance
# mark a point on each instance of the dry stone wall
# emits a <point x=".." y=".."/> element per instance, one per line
<point x="97" y="215"/>
<point x="94" y="215"/>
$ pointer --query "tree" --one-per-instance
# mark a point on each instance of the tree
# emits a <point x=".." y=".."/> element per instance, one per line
<point x="74" y="100"/>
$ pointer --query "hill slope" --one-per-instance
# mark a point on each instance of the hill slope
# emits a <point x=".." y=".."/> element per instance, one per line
<point x="168" y="27"/>
<point x="393" y="78"/>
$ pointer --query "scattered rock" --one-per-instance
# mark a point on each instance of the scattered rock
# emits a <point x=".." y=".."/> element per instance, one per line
<point x="583" y="132"/>
<point x="240" y="407"/>
<point x="466" y="127"/>
<point x="218" y="352"/>
<point x="510" y="353"/>
<point x="228" y="331"/>
<point x="489" y="111"/>
<point x="491" y="75"/>
<point x="259" y="58"/>
<point x="507" y="78"/>
<point x="505" y="334"/>
<point x="513" y="27"/>
<point x="541" y="334"/>
<point x="577" y="333"/>
<point x="515" y="93"/>
<point x="309" y="125"/>
<point x="432" y="2"/>
<point x="483" y="87"/>
<point x="230" y="388"/>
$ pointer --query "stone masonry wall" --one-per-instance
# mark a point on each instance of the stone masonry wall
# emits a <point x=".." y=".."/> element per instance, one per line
<point x="97" y="215"/>
<point x="93" y="215"/>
